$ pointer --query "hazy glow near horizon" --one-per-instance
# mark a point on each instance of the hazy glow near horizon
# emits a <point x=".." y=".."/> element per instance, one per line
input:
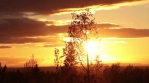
<point x="112" y="50"/>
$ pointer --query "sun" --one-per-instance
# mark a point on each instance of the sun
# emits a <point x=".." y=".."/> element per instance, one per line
<point x="92" y="48"/>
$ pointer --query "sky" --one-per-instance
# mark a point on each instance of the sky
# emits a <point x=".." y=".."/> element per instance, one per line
<point x="39" y="26"/>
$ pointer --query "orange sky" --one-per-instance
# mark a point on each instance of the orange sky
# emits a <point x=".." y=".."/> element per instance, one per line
<point x="37" y="29"/>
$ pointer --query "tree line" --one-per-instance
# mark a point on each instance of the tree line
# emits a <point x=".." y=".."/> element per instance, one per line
<point x="109" y="74"/>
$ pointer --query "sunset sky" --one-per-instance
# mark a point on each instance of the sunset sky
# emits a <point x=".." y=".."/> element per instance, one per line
<point x="38" y="26"/>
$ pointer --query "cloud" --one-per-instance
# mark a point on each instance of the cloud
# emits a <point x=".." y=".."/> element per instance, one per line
<point x="53" y="45"/>
<point x="22" y="40"/>
<point x="51" y="6"/>
<point x="3" y="47"/>
<point x="25" y="30"/>
<point x="16" y="28"/>
<point x="58" y="22"/>
<point x="24" y="27"/>
<point x="124" y="33"/>
<point x="11" y="15"/>
<point x="107" y="25"/>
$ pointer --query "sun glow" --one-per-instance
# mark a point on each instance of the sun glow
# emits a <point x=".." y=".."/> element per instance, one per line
<point x="92" y="48"/>
<point x="95" y="48"/>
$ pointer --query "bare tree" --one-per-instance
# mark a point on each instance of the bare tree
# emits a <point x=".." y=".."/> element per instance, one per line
<point x="57" y="61"/>
<point x="30" y="64"/>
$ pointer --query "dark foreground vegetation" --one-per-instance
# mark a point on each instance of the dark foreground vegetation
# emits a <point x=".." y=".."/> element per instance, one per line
<point x="109" y="74"/>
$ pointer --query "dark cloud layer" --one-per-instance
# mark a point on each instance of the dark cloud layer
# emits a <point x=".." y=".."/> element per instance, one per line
<point x="21" y="40"/>
<point x="51" y="6"/>
<point x="25" y="30"/>
<point x="124" y="33"/>
<point x="15" y="28"/>
<point x="107" y="25"/>
<point x="2" y="47"/>
<point x="24" y="27"/>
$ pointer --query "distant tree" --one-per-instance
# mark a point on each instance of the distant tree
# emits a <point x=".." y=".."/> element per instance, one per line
<point x="0" y="67"/>
<point x="2" y="74"/>
<point x="4" y="68"/>
<point x="32" y="72"/>
<point x="31" y="63"/>
<point x="57" y="63"/>
<point x="0" y="71"/>
<point x="112" y="74"/>
<point x="96" y="70"/>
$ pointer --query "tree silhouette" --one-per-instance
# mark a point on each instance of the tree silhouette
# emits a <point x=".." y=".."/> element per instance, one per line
<point x="31" y="63"/>
<point x="82" y="29"/>
<point x="2" y="73"/>
<point x="57" y="63"/>
<point x="0" y="67"/>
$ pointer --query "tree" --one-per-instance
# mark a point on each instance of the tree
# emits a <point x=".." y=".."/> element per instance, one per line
<point x="0" y="67"/>
<point x="82" y="29"/>
<point x="30" y="64"/>
<point x="32" y="71"/>
<point x="2" y="73"/>
<point x="57" y="63"/>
